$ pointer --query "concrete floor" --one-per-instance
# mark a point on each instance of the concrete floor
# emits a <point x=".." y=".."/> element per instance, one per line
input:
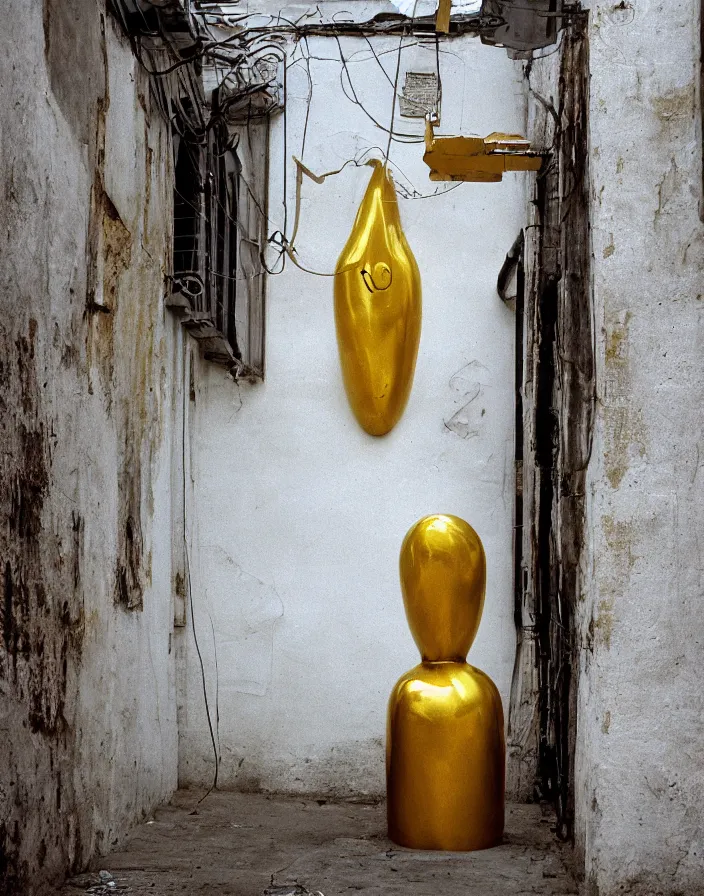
<point x="251" y="845"/>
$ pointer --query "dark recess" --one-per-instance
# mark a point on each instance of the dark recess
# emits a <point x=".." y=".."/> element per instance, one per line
<point x="560" y="342"/>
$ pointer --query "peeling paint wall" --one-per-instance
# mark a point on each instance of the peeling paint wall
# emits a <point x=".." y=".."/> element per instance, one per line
<point x="626" y="722"/>
<point x="297" y="515"/>
<point x="558" y="395"/>
<point x="640" y="781"/>
<point x="87" y="707"/>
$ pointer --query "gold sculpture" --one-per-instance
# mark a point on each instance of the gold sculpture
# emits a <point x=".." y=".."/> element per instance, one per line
<point x="378" y="309"/>
<point x="445" y="751"/>
<point x="479" y="159"/>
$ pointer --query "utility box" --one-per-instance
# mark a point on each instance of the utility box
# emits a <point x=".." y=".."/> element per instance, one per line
<point x="523" y="28"/>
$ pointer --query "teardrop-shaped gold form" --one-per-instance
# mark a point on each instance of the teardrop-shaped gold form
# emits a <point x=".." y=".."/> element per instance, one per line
<point x="378" y="310"/>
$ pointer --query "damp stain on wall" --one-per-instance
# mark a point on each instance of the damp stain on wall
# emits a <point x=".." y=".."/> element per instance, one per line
<point x="41" y="610"/>
<point x="80" y="426"/>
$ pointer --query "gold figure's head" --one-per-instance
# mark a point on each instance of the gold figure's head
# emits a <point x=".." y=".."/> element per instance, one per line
<point x="443" y="578"/>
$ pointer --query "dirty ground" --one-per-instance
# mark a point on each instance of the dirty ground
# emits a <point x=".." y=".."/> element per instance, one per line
<point x="249" y="845"/>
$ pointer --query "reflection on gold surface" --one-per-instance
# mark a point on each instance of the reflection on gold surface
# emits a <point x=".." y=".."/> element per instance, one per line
<point x="378" y="310"/>
<point x="445" y="749"/>
<point x="478" y="159"/>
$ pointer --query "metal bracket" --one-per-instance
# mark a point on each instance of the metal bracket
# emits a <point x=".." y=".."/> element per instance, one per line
<point x="477" y="159"/>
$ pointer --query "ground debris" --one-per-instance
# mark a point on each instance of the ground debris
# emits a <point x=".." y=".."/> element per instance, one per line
<point x="99" y="885"/>
<point x="291" y="890"/>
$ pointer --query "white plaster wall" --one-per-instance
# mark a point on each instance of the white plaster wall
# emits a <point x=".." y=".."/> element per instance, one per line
<point x="126" y="714"/>
<point x="640" y="778"/>
<point x="298" y="515"/>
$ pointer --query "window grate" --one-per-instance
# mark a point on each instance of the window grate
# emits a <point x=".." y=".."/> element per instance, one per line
<point x="218" y="240"/>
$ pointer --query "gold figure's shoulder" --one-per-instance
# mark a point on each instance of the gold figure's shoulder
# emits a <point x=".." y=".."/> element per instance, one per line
<point x="439" y="674"/>
<point x="406" y="679"/>
<point x="483" y="680"/>
<point x="452" y="688"/>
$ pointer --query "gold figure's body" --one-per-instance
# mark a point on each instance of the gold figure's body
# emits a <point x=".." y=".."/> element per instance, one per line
<point x="445" y="751"/>
<point x="378" y="310"/>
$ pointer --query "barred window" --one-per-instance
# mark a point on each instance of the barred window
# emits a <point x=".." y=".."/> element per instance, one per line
<point x="219" y="232"/>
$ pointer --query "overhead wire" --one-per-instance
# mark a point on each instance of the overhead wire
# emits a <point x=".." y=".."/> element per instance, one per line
<point x="256" y="42"/>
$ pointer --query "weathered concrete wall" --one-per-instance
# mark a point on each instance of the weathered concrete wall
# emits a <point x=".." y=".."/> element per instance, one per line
<point x="626" y="617"/>
<point x="87" y="709"/>
<point x="298" y="513"/>
<point x="640" y="782"/>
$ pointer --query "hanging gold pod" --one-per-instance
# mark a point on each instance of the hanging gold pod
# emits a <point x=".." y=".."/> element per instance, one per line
<point x="378" y="310"/>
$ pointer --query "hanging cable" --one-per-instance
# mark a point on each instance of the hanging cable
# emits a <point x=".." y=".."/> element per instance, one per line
<point x="189" y="588"/>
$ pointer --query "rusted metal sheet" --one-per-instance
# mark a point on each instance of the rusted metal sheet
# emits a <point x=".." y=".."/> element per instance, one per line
<point x="420" y="95"/>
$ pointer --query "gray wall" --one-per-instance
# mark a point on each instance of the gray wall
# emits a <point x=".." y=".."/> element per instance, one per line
<point x="640" y="779"/>
<point x="87" y="710"/>
<point x="637" y="630"/>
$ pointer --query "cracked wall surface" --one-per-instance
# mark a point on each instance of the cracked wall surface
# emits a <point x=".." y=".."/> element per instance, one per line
<point x="298" y="515"/>
<point x="87" y="709"/>
<point x="622" y="559"/>
<point x="640" y="783"/>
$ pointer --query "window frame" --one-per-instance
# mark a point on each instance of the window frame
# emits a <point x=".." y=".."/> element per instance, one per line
<point x="218" y="277"/>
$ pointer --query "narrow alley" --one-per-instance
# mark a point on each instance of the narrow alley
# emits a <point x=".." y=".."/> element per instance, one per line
<point x="351" y="447"/>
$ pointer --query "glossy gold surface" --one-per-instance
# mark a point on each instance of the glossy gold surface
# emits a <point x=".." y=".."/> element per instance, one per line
<point x="445" y="751"/>
<point x="378" y="310"/>
<point x="478" y="159"/>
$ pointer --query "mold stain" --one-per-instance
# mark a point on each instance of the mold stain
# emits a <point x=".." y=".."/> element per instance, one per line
<point x="624" y="431"/>
<point x="41" y="609"/>
<point x="675" y="106"/>
<point x="122" y="326"/>
<point x="604" y="623"/>
<point x="624" y="437"/>
<point x="617" y="340"/>
<point x="117" y="250"/>
<point x="90" y="350"/>
<point x="619" y="561"/>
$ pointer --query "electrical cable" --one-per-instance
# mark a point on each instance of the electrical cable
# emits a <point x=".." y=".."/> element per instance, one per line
<point x="189" y="589"/>
<point x="395" y="92"/>
<point x="254" y="39"/>
<point x="398" y="136"/>
<point x="242" y="59"/>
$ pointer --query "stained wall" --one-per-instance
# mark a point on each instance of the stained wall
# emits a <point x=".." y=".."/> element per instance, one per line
<point x="558" y="401"/>
<point x="297" y="515"/>
<point x="634" y="634"/>
<point x="87" y="708"/>
<point x="640" y="783"/>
